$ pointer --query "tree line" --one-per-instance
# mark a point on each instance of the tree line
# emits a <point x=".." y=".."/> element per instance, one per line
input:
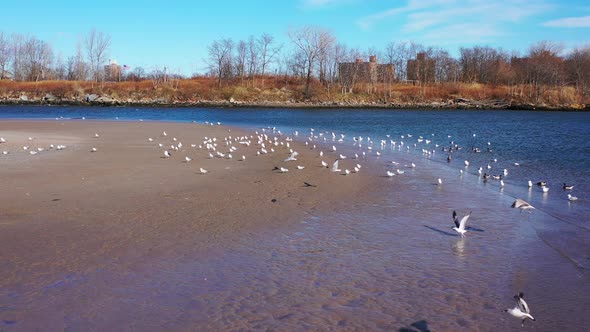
<point x="312" y="55"/>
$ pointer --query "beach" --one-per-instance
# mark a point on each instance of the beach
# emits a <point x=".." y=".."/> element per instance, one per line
<point x="124" y="238"/>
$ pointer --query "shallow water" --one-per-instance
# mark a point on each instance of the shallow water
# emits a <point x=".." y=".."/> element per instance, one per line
<point x="391" y="262"/>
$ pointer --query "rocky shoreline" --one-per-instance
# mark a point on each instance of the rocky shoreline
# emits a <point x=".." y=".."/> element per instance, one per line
<point x="453" y="104"/>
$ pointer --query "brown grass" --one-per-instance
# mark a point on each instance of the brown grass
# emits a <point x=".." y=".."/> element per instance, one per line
<point x="288" y="88"/>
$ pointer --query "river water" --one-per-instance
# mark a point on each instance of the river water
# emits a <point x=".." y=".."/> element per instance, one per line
<point x="392" y="263"/>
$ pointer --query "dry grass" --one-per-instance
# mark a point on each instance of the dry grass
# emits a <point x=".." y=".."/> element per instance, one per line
<point x="288" y="88"/>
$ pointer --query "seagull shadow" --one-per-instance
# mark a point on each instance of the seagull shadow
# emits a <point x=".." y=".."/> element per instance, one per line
<point x="440" y="231"/>
<point x="474" y="229"/>
<point x="419" y="326"/>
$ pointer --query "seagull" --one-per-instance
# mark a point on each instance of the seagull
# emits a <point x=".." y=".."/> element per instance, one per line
<point x="203" y="171"/>
<point x="566" y="187"/>
<point x="521" y="204"/>
<point x="299" y="167"/>
<point x="466" y="163"/>
<point x="150" y="139"/>
<point x="545" y="189"/>
<point x="521" y="310"/>
<point x="292" y="156"/>
<point x="390" y="174"/>
<point x="164" y="134"/>
<point x="324" y="164"/>
<point x="335" y="166"/>
<point x="530" y="183"/>
<point x="96" y="135"/>
<point x="283" y="170"/>
<point x="2" y="140"/>
<point x="167" y="154"/>
<point x="187" y="159"/>
<point x="346" y="172"/>
<point x="460" y="225"/>
<point x="571" y="198"/>
<point x="541" y="183"/>
<point x="439" y="181"/>
<point x="399" y="171"/>
<point x="93" y="150"/>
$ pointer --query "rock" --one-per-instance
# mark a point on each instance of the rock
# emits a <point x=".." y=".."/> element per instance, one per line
<point x="49" y="97"/>
<point x="232" y="100"/>
<point x="104" y="99"/>
<point x="90" y="97"/>
<point x="24" y="98"/>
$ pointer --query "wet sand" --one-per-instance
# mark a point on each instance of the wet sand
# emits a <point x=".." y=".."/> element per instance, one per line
<point x="122" y="239"/>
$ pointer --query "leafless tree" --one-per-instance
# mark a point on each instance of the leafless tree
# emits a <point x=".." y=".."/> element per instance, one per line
<point x="312" y="42"/>
<point x="240" y="61"/>
<point x="220" y="58"/>
<point x="267" y="51"/>
<point x="36" y="57"/>
<point x="252" y="57"/>
<point x="97" y="46"/>
<point x="4" y="56"/>
<point x="578" y="69"/>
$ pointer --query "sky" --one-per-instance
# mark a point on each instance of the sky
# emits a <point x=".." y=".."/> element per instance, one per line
<point x="175" y="34"/>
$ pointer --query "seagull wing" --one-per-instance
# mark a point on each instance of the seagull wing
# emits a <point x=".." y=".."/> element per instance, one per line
<point x="521" y="303"/>
<point x="464" y="221"/>
<point x="455" y="219"/>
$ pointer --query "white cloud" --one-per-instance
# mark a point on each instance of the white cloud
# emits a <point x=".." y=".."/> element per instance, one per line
<point x="570" y="22"/>
<point x="465" y="20"/>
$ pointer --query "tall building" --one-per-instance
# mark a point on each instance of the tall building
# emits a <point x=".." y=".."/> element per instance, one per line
<point x="421" y="69"/>
<point x="365" y="72"/>
<point x="113" y="72"/>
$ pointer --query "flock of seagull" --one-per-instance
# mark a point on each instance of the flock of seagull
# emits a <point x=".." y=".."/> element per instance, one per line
<point x="269" y="138"/>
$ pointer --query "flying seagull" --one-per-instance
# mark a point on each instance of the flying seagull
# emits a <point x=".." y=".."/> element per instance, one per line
<point x="460" y="225"/>
<point x="521" y="204"/>
<point x="521" y="310"/>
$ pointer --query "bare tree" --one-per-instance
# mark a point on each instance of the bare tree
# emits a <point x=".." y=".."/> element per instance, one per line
<point x="36" y="58"/>
<point x="4" y="56"/>
<point x="240" y="61"/>
<point x="311" y="41"/>
<point x="252" y="60"/>
<point x="220" y="58"/>
<point x="267" y="52"/>
<point x="578" y="69"/>
<point x="97" y="46"/>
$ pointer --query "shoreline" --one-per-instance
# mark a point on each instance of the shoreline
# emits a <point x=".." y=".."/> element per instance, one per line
<point x="458" y="104"/>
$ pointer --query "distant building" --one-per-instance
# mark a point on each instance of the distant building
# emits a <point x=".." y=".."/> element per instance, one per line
<point x="113" y="72"/>
<point x="365" y="72"/>
<point x="421" y="69"/>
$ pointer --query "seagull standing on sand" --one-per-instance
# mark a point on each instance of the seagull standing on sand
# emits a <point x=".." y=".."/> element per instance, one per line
<point x="460" y="225"/>
<point x="522" y="205"/>
<point x="203" y="171"/>
<point x="167" y="154"/>
<point x="521" y="310"/>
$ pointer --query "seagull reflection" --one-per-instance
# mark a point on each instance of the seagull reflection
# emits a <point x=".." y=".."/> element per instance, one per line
<point x="459" y="248"/>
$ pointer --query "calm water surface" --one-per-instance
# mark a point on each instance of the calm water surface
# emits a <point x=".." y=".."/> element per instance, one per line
<point x="392" y="263"/>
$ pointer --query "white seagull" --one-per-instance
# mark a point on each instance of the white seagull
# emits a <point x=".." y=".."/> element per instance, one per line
<point x="460" y="225"/>
<point x="521" y="310"/>
<point x="293" y="156"/>
<point x="390" y="174"/>
<point x="545" y="189"/>
<point x="202" y="170"/>
<point x="522" y="205"/>
<point x="187" y="159"/>
<point x="571" y="198"/>
<point x="167" y="154"/>
<point x="335" y="167"/>
<point x="283" y="170"/>
<point x="93" y="150"/>
<point x="439" y="181"/>
<point x="299" y="167"/>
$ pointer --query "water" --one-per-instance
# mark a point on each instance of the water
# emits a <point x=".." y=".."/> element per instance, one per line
<point x="392" y="263"/>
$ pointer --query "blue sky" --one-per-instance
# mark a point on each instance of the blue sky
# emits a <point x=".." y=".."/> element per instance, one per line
<point x="176" y="33"/>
